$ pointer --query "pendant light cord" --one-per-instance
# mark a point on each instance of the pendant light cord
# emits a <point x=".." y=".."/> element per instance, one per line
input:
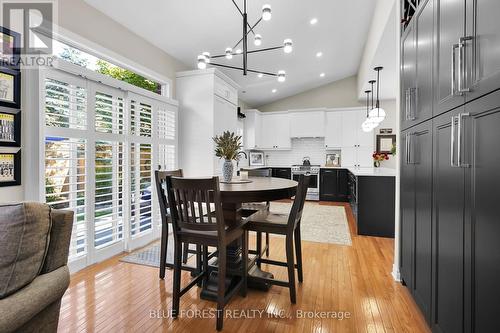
<point x="378" y="69"/>
<point x="378" y="86"/>
<point x="367" y="92"/>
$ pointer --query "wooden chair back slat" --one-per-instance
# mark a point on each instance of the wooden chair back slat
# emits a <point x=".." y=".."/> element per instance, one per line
<point x="258" y="172"/>
<point x="298" y="203"/>
<point x="160" y="181"/>
<point x="192" y="198"/>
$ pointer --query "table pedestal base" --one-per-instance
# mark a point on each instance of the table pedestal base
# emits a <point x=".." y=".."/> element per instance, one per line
<point x="209" y="289"/>
<point x="232" y="216"/>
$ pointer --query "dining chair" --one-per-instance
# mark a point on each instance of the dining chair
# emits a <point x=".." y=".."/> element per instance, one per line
<point x="252" y="207"/>
<point x="160" y="179"/>
<point x="189" y="200"/>
<point x="289" y="226"/>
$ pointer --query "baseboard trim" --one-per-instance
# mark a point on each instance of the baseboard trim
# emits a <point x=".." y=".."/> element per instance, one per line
<point x="396" y="275"/>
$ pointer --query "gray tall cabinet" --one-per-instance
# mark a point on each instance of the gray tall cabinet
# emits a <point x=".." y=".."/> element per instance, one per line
<point x="450" y="163"/>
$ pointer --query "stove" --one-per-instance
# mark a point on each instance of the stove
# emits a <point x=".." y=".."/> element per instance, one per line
<point x="313" y="171"/>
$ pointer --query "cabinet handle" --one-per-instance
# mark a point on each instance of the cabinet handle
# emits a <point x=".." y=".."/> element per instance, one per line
<point x="460" y="137"/>
<point x="453" y="67"/>
<point x="452" y="142"/>
<point x="462" y="65"/>
<point x="412" y="92"/>
<point x="407" y="106"/>
<point x="407" y="145"/>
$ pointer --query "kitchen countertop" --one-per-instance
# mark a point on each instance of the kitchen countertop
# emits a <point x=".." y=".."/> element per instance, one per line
<point x="378" y="172"/>
<point x="264" y="167"/>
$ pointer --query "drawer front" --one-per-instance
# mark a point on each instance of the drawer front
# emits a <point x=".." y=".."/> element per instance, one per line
<point x="224" y="90"/>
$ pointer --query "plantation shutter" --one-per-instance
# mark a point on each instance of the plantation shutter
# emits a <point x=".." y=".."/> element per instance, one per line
<point x="65" y="102"/>
<point x="109" y="193"/>
<point x="101" y="146"/>
<point x="109" y="111"/>
<point x="65" y="149"/>
<point x="141" y="204"/>
<point x="65" y="185"/>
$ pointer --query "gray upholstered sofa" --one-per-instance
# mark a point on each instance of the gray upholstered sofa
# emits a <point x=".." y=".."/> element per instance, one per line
<point x="34" y="275"/>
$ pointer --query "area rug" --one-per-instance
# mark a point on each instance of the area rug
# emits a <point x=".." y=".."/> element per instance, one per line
<point x="323" y="224"/>
<point x="150" y="254"/>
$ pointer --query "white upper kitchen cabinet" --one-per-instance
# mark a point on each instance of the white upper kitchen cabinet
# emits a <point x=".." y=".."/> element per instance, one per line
<point x="333" y="130"/>
<point x="357" y="146"/>
<point x="352" y="134"/>
<point x="307" y="123"/>
<point x="348" y="157"/>
<point x="350" y="128"/>
<point x="276" y="131"/>
<point x="252" y="137"/>
<point x="207" y="107"/>
<point x="364" y="157"/>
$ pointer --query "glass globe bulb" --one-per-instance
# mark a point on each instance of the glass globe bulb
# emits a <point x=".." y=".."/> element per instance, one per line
<point x="369" y="122"/>
<point x="366" y="127"/>
<point x="287" y="45"/>
<point x="377" y="115"/>
<point x="266" y="12"/>
<point x="207" y="56"/>
<point x="202" y="62"/>
<point x="229" y="53"/>
<point x="257" y="40"/>
<point x="281" y="76"/>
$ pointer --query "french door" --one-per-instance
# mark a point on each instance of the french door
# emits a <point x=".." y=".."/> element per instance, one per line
<point x="100" y="148"/>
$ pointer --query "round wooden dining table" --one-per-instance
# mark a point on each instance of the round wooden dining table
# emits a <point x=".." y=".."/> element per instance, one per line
<point x="259" y="189"/>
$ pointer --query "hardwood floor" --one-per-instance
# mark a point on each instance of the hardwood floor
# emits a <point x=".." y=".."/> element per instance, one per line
<point x="355" y="281"/>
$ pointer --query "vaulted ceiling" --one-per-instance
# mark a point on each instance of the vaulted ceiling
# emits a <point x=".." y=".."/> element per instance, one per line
<point x="185" y="28"/>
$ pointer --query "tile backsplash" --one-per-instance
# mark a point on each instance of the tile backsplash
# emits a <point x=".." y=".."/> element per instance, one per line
<point x="312" y="147"/>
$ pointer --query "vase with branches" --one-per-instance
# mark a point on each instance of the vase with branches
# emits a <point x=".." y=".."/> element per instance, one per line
<point x="228" y="147"/>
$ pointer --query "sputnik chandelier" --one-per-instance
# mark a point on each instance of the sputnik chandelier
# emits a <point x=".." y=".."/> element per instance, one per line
<point x="205" y="58"/>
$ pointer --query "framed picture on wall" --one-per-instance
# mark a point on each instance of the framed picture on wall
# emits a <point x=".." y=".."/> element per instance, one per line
<point x="385" y="143"/>
<point x="10" y="169"/>
<point x="10" y="48"/>
<point x="10" y="88"/>
<point x="256" y="158"/>
<point x="10" y="129"/>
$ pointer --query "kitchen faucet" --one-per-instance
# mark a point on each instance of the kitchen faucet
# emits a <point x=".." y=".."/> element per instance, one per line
<point x="238" y="161"/>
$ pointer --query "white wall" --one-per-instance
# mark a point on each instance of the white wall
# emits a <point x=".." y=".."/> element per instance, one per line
<point x="84" y="20"/>
<point x="338" y="94"/>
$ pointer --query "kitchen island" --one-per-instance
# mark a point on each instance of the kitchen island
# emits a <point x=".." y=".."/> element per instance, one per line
<point x="371" y="193"/>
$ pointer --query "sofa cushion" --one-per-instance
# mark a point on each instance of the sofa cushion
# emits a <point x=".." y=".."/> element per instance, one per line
<point x="24" y="238"/>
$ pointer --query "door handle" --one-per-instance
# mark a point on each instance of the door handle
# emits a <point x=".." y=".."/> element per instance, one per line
<point x="453" y="67"/>
<point x="407" y="107"/>
<point x="460" y="138"/>
<point x="452" y="143"/>
<point x="462" y="65"/>
<point x="407" y="148"/>
<point x="412" y="92"/>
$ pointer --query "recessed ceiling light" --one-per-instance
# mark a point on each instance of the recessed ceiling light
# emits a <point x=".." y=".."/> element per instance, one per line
<point x="313" y="21"/>
<point x="319" y="54"/>
<point x="274" y="91"/>
<point x="322" y="75"/>
<point x="260" y="75"/>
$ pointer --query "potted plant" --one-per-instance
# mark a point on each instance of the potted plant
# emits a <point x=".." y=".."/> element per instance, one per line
<point x="379" y="157"/>
<point x="227" y="146"/>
